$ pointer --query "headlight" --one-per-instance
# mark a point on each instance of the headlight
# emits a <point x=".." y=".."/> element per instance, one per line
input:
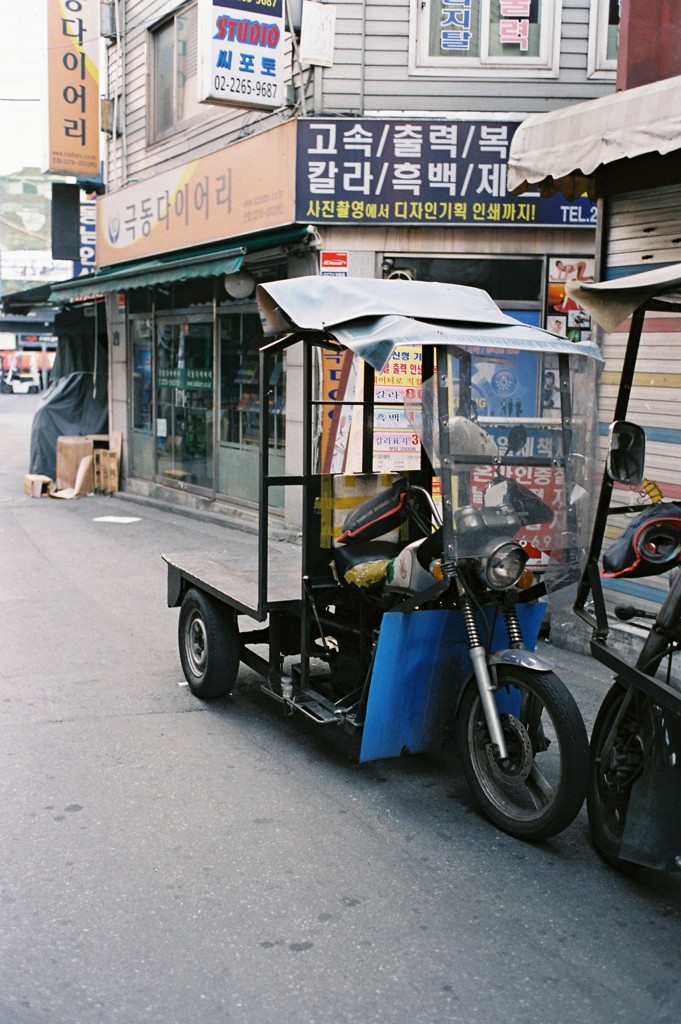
<point x="504" y="565"/>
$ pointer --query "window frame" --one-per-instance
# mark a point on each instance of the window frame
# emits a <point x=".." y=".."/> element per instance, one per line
<point x="599" y="65"/>
<point x="169" y="17"/>
<point x="546" y="65"/>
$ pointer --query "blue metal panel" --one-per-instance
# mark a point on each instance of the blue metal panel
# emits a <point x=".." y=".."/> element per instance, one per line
<point x="421" y="665"/>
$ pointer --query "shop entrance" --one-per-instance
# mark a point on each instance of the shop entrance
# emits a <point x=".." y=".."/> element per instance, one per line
<point x="184" y="401"/>
<point x="240" y="338"/>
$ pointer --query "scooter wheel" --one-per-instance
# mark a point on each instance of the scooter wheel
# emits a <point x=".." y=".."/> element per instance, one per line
<point x="209" y="646"/>
<point x="540" y="789"/>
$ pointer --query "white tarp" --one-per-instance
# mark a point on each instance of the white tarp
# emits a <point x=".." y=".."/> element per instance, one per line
<point x="371" y="317"/>
<point x="611" y="302"/>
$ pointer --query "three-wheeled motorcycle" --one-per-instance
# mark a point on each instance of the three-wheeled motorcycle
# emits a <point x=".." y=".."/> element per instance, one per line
<point x="438" y="462"/>
<point x="634" y="795"/>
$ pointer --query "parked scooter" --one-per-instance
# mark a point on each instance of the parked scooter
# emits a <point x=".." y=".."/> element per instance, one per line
<point x="412" y="605"/>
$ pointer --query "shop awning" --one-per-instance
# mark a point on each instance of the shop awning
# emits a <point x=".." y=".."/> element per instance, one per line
<point x="213" y="261"/>
<point x="559" y="151"/>
<point x="29" y="298"/>
<point x="611" y="302"/>
<point x="162" y="270"/>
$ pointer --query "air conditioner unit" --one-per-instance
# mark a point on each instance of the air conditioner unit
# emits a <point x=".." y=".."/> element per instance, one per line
<point x="403" y="274"/>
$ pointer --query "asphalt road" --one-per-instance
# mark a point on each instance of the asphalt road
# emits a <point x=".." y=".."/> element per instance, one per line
<point x="168" y="862"/>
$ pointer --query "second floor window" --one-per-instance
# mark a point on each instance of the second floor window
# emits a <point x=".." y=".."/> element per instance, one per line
<point x="458" y="37"/>
<point x="604" y="38"/>
<point x="174" y="68"/>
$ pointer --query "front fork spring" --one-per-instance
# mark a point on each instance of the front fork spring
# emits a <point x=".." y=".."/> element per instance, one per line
<point x="466" y="609"/>
<point x="515" y="636"/>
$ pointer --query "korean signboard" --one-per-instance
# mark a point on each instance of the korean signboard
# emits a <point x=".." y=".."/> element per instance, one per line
<point x="244" y="188"/>
<point x="88" y="239"/>
<point x="241" y="53"/>
<point x="366" y="171"/>
<point x="73" y="88"/>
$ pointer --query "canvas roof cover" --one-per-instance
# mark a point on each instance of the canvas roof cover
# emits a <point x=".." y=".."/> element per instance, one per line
<point x="611" y="302"/>
<point x="559" y="151"/>
<point x="371" y="317"/>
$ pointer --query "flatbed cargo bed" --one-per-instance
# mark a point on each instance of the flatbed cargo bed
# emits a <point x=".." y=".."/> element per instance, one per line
<point x="233" y="579"/>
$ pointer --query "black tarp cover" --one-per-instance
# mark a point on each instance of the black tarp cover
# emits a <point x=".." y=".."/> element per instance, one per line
<point x="75" y="405"/>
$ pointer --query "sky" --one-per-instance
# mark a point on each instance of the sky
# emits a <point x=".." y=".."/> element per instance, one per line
<point x="21" y="83"/>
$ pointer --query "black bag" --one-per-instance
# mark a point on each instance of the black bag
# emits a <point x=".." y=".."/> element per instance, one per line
<point x="649" y="545"/>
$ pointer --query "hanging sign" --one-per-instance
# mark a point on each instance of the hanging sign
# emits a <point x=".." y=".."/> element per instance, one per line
<point x="73" y="89"/>
<point x="241" y="53"/>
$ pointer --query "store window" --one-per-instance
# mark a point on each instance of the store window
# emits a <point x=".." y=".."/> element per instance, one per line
<point x="489" y="37"/>
<point x="604" y="28"/>
<point x="511" y="281"/>
<point x="173" y="72"/>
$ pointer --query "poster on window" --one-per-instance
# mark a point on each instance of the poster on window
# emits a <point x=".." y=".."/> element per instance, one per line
<point x="241" y="53"/>
<point x="487" y="29"/>
<point x="563" y="315"/>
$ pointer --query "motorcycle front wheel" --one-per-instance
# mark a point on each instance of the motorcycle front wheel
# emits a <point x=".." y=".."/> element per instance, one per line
<point x="541" y="789"/>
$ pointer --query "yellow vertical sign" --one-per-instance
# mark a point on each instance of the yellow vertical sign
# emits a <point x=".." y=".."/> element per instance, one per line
<point x="73" y="88"/>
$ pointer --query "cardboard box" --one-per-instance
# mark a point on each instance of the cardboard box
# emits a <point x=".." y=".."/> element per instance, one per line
<point x="87" y="463"/>
<point x="36" y="485"/>
<point x="106" y="470"/>
<point x="75" y="473"/>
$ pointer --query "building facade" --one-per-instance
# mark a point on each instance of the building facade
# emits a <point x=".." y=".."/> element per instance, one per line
<point x="625" y="150"/>
<point x="384" y="155"/>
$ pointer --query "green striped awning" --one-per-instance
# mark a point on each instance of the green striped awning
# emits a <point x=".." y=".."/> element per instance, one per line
<point x="210" y="261"/>
<point x="143" y="273"/>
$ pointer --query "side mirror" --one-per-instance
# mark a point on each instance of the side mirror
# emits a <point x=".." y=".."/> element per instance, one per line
<point x="626" y="453"/>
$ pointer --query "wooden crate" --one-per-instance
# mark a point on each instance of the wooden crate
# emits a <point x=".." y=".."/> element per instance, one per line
<point x="106" y="470"/>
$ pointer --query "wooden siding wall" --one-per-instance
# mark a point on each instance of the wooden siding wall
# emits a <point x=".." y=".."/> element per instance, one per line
<point x="371" y="68"/>
<point x="370" y="73"/>
<point x="643" y="230"/>
<point x="214" y="127"/>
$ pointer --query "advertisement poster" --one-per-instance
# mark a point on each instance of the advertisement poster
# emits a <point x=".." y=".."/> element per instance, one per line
<point x="241" y="53"/>
<point x="395" y="446"/>
<point x="563" y="315"/>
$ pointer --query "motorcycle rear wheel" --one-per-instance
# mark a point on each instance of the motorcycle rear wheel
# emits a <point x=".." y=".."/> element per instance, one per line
<point x="541" y="790"/>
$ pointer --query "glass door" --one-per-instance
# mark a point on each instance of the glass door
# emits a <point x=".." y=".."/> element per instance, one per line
<point x="184" y="396"/>
<point x="239" y="424"/>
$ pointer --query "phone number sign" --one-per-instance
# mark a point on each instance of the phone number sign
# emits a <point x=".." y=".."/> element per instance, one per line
<point x="241" y="52"/>
<point x="361" y="170"/>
